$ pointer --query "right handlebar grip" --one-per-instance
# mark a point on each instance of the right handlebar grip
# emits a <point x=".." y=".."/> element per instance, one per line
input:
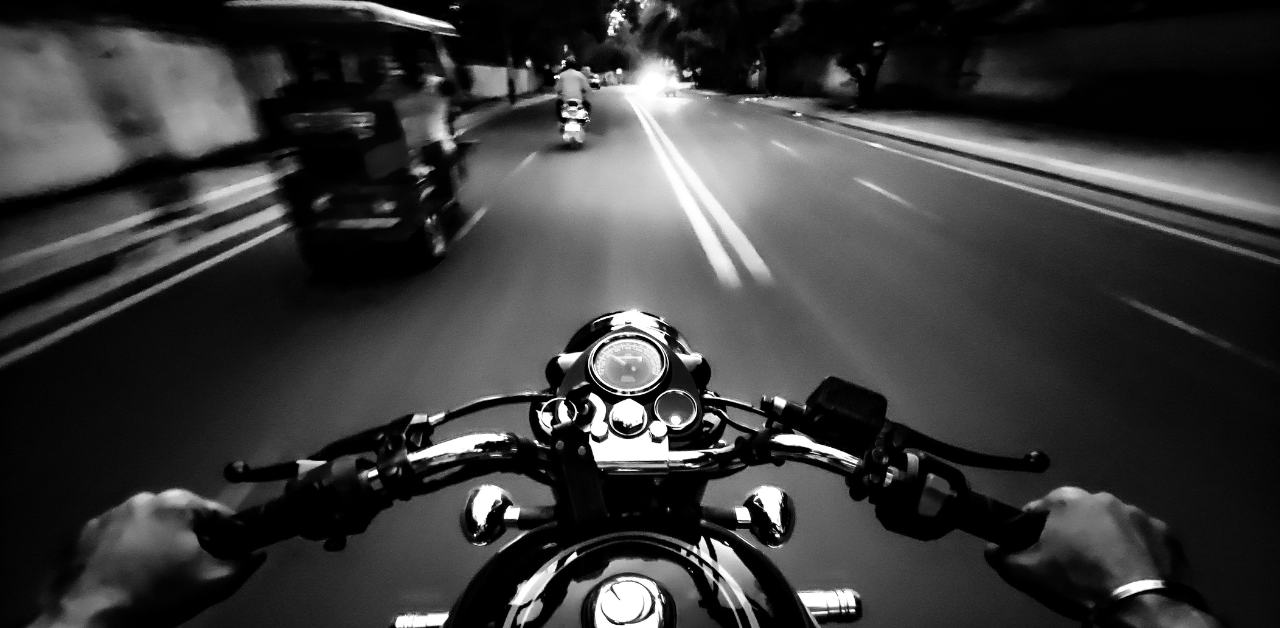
<point x="1013" y="529"/>
<point x="247" y="531"/>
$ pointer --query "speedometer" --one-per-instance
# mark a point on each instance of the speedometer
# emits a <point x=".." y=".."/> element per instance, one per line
<point x="628" y="365"/>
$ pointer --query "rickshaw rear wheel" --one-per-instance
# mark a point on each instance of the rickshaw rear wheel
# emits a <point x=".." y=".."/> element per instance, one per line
<point x="428" y="245"/>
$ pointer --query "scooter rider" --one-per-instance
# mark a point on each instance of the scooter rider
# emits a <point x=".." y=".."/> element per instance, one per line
<point x="139" y="564"/>
<point x="572" y="84"/>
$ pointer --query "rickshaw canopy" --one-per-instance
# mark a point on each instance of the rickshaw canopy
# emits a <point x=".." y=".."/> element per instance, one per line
<point x="349" y="17"/>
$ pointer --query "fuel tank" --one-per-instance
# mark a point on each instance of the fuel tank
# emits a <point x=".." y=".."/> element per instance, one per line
<point x="632" y="578"/>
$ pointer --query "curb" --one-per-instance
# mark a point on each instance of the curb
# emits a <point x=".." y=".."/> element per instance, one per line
<point x="925" y="140"/>
<point x="30" y="329"/>
<point x="472" y="119"/>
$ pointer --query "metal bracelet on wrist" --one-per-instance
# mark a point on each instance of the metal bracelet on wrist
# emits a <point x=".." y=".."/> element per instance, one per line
<point x="1172" y="590"/>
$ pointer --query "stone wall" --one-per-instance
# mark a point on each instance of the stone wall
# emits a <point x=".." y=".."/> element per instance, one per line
<point x="81" y="103"/>
<point x="491" y="81"/>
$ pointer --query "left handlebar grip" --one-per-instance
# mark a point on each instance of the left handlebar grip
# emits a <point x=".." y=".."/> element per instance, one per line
<point x="247" y="531"/>
<point x="1011" y="528"/>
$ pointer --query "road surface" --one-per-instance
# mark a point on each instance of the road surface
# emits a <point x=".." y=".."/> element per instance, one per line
<point x="993" y="309"/>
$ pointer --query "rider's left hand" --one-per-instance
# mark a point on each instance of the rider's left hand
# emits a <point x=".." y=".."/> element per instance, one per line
<point x="139" y="564"/>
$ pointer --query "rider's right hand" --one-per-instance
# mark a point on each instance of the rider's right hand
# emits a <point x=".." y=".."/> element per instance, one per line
<point x="1093" y="543"/>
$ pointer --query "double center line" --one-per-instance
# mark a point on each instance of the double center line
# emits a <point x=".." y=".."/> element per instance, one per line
<point x="687" y="185"/>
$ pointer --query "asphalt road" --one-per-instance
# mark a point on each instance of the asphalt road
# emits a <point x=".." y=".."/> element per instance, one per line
<point x="993" y="309"/>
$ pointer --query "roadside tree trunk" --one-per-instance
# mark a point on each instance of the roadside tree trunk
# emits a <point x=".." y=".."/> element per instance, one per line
<point x="868" y="77"/>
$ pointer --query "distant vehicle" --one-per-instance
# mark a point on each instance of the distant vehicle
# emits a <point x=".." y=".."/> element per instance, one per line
<point x="595" y="81"/>
<point x="659" y="83"/>
<point x="367" y="119"/>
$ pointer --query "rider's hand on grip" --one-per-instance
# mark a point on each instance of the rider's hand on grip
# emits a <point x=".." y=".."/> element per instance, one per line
<point x="992" y="520"/>
<point x="232" y="536"/>
<point x="1091" y="544"/>
<point x="327" y="502"/>
<point x="139" y="564"/>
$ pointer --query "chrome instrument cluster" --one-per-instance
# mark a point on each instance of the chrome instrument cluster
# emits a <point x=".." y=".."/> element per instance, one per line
<point x="677" y="409"/>
<point x="635" y="388"/>
<point x="628" y="364"/>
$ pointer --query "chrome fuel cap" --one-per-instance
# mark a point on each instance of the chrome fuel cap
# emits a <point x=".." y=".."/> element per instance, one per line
<point x="631" y="601"/>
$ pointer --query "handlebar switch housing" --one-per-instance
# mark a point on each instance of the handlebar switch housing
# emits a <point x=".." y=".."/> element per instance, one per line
<point x="920" y="501"/>
<point x="844" y="414"/>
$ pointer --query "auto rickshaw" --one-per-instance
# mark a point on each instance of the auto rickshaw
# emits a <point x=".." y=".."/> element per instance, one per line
<point x="366" y="115"/>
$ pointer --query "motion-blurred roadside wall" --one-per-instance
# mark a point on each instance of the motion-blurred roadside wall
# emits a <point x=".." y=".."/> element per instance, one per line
<point x="79" y="103"/>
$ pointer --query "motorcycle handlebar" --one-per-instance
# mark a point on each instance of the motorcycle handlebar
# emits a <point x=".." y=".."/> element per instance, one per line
<point x="992" y="520"/>
<point x="247" y="531"/>
<point x="285" y="517"/>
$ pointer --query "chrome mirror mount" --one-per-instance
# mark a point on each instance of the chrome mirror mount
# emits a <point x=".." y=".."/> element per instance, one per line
<point x="484" y="514"/>
<point x="772" y="515"/>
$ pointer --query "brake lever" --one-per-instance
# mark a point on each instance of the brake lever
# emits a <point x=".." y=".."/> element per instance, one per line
<point x="853" y="418"/>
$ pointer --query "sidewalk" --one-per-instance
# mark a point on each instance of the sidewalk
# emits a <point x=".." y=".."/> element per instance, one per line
<point x="1239" y="188"/>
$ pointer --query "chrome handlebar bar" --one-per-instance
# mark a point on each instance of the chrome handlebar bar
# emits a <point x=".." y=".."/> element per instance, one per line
<point x="431" y="461"/>
<point x="455" y="452"/>
<point x="799" y="448"/>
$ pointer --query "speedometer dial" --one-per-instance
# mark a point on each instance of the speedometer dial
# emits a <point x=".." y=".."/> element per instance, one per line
<point x="628" y="365"/>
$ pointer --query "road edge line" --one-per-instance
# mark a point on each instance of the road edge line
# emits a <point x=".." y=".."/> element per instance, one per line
<point x="111" y="295"/>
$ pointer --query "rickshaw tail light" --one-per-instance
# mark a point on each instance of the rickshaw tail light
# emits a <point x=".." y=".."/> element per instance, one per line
<point x="321" y="203"/>
<point x="360" y="122"/>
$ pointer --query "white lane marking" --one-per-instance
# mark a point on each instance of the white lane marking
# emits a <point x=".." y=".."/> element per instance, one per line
<point x="523" y="163"/>
<point x="100" y="315"/>
<point x="719" y="259"/>
<point x="737" y="239"/>
<point x="1197" y="332"/>
<point x="898" y="199"/>
<point x="784" y="147"/>
<point x="739" y="125"/>
<point x="891" y="195"/>
<point x="1230" y="248"/>
<point x="471" y="222"/>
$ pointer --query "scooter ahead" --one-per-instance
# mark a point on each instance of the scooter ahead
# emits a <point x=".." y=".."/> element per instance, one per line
<point x="573" y="123"/>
